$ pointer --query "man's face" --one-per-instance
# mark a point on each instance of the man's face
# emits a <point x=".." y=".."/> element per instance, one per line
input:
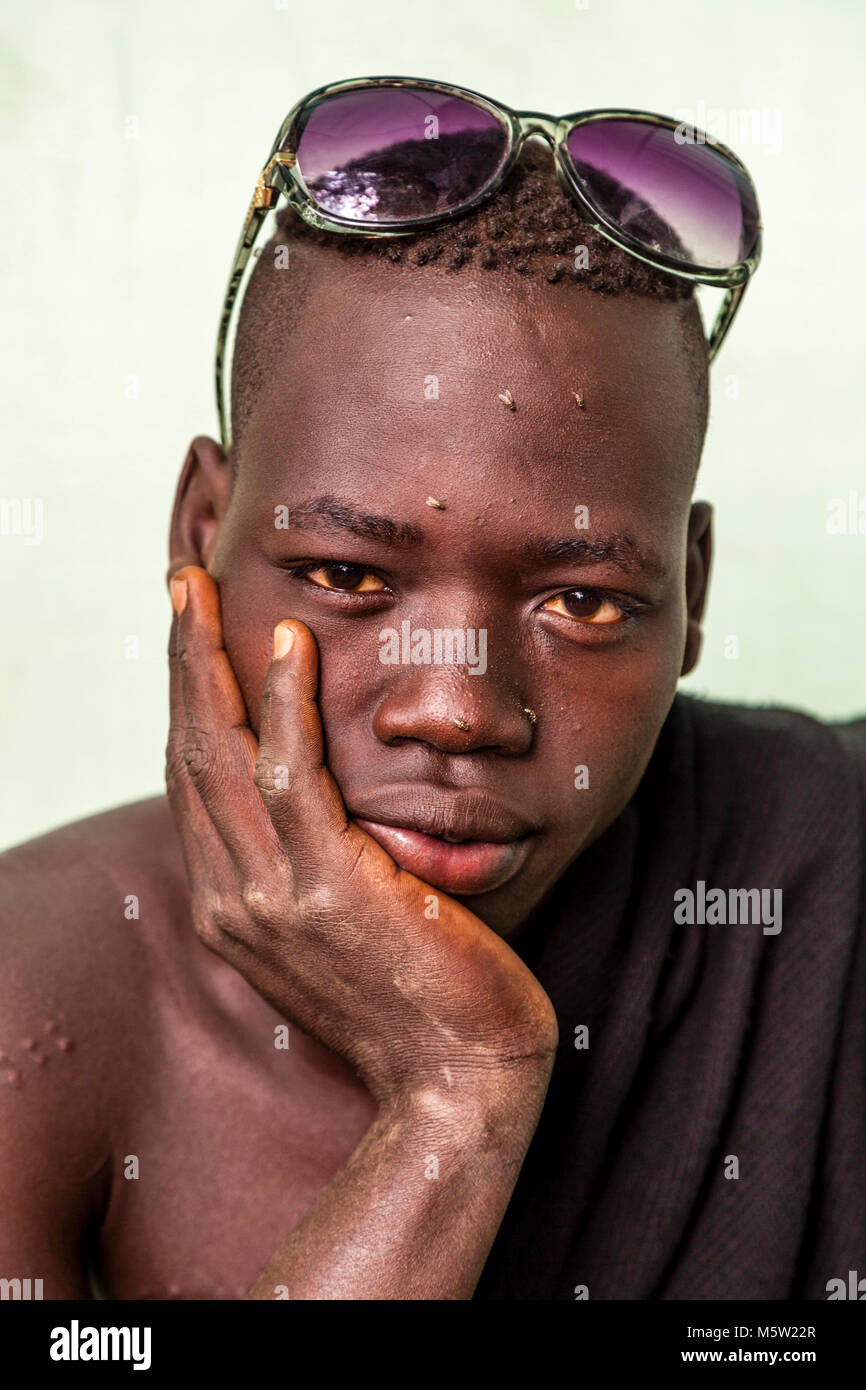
<point x="557" y="558"/>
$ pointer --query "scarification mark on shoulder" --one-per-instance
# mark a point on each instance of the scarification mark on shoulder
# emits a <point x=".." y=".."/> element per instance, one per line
<point x="37" y="1050"/>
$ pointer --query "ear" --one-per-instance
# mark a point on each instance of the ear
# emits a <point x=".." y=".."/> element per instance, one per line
<point x="200" y="503"/>
<point x="699" y="556"/>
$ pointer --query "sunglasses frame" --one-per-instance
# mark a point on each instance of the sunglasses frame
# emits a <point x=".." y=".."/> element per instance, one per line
<point x="281" y="175"/>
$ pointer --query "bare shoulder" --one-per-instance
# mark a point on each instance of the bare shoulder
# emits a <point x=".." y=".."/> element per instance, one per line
<point x="71" y="897"/>
<point x="94" y="856"/>
<point x="87" y="912"/>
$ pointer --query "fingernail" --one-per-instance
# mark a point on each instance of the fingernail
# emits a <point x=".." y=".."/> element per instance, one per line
<point x="179" y="594"/>
<point x="283" y="640"/>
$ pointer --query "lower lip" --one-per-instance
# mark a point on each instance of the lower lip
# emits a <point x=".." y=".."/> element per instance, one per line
<point x="476" y="866"/>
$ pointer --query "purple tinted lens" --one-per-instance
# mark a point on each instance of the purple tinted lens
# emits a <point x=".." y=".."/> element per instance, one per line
<point x="669" y="192"/>
<point x="390" y="154"/>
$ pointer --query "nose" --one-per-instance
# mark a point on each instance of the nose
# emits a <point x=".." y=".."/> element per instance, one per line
<point x="454" y="712"/>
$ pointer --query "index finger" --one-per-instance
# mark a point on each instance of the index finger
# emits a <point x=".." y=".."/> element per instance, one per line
<point x="305" y="803"/>
<point x="219" y="747"/>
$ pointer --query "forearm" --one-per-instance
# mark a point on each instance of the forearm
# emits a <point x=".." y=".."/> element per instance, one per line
<point x="414" y="1211"/>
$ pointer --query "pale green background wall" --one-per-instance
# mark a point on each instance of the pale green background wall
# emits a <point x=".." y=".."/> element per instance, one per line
<point x="132" y="133"/>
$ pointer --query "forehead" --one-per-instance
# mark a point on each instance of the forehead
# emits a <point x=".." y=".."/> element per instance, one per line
<point x="391" y="382"/>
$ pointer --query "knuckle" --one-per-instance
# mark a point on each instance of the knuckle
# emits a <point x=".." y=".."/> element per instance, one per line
<point x="207" y="930"/>
<point x="270" y="776"/>
<point x="199" y="752"/>
<point x="259" y="904"/>
<point x="274" y="687"/>
<point x="214" y="920"/>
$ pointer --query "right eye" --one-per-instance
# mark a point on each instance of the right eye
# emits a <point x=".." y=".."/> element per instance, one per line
<point x="342" y="578"/>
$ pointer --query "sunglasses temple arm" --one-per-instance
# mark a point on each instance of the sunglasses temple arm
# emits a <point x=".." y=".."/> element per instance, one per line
<point x="258" y="210"/>
<point x="724" y="318"/>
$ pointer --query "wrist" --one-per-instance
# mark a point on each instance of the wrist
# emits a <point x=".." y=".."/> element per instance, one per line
<point x="493" y="1107"/>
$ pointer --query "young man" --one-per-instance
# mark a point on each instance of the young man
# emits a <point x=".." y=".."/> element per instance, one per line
<point x="499" y="972"/>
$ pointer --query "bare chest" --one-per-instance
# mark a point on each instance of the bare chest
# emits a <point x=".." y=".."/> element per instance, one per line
<point x="222" y="1144"/>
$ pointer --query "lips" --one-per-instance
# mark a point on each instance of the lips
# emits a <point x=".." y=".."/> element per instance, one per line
<point x="463" y="842"/>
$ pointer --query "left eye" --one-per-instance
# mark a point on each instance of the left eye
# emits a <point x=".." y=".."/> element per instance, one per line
<point x="353" y="579"/>
<point x="586" y="606"/>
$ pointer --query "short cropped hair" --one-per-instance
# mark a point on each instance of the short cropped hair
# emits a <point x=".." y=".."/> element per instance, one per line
<point x="528" y="228"/>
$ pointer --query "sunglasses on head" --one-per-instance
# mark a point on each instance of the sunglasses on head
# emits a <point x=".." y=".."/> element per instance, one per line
<point x="389" y="156"/>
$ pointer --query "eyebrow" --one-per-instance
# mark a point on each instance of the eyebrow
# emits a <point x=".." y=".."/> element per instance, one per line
<point x="336" y="514"/>
<point x="619" y="549"/>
